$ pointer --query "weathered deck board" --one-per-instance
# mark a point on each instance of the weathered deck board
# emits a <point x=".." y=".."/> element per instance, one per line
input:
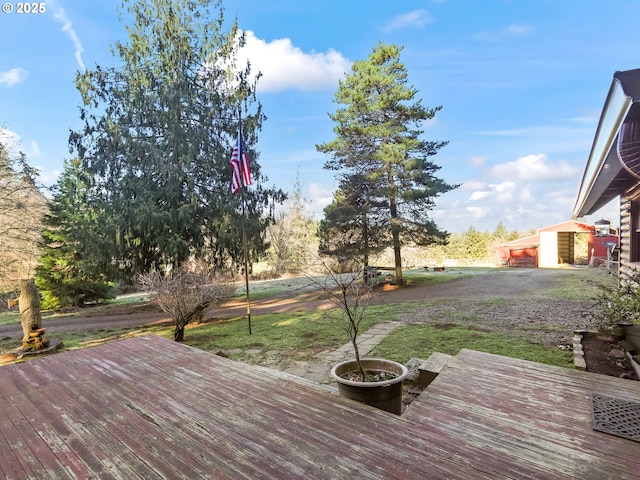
<point x="531" y="418"/>
<point x="150" y="408"/>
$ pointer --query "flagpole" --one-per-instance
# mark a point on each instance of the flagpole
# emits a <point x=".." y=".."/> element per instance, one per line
<point x="242" y="221"/>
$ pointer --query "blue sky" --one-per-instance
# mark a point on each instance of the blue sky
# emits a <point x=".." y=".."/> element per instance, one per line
<point x="522" y="84"/>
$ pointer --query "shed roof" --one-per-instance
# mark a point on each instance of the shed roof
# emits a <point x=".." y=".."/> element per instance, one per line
<point x="607" y="174"/>
<point x="150" y="408"/>
<point x="568" y="226"/>
<point x="530" y="241"/>
<point x="571" y="226"/>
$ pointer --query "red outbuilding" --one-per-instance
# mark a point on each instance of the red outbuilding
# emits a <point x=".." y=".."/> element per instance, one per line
<point x="555" y="245"/>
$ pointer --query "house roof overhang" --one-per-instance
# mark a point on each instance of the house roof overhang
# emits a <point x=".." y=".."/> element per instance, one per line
<point x="607" y="175"/>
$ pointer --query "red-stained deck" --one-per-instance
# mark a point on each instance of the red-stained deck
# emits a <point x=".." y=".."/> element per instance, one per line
<point x="151" y="408"/>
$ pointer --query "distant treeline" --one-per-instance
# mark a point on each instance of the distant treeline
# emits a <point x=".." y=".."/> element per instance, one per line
<point x="469" y="247"/>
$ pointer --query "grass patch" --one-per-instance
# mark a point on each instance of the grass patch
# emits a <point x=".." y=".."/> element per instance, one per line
<point x="269" y="288"/>
<point x="580" y="284"/>
<point x="13" y="318"/>
<point x="10" y="344"/>
<point x="292" y="332"/>
<point x="130" y="298"/>
<point x="423" y="277"/>
<point x="304" y="284"/>
<point x="420" y="341"/>
<point x="8" y="318"/>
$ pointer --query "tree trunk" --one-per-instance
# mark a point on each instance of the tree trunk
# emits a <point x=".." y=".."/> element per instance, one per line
<point x="180" y="323"/>
<point x="395" y="235"/>
<point x="365" y="238"/>
<point x="178" y="331"/>
<point x="363" y="372"/>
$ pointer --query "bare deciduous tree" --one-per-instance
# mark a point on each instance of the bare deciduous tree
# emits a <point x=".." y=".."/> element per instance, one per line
<point x="22" y="207"/>
<point x="187" y="292"/>
<point x="292" y="237"/>
<point x="351" y="294"/>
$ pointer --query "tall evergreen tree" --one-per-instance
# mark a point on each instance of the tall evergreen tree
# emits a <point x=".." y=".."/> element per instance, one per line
<point x="158" y="135"/>
<point x="75" y="264"/>
<point x="378" y="135"/>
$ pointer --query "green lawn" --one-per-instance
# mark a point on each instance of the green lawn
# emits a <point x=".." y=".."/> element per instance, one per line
<point x="420" y="341"/>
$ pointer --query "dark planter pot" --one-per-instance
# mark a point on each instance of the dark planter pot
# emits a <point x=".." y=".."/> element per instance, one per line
<point x="620" y="330"/>
<point x="618" y="333"/>
<point x="385" y="395"/>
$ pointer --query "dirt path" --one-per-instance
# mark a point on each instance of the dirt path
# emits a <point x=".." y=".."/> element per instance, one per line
<point x="502" y="298"/>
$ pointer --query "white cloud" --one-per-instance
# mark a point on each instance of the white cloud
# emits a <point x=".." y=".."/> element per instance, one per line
<point x="478" y="212"/>
<point x="416" y="18"/>
<point x="477" y="161"/>
<point x="286" y="67"/>
<point x="48" y="177"/>
<point x="506" y="186"/>
<point x="430" y="122"/>
<point x="13" y="76"/>
<point x="67" y="27"/>
<point x="319" y="197"/>
<point x="10" y="140"/>
<point x="471" y="185"/>
<point x="34" y="149"/>
<point x="13" y="143"/>
<point x="523" y="194"/>
<point x="518" y="29"/>
<point x="534" y="168"/>
<point x="588" y="118"/>
<point x="510" y="31"/>
<point x="503" y="193"/>
<point x="478" y="195"/>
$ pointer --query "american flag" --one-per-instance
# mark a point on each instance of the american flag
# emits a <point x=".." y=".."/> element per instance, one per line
<point x="240" y="165"/>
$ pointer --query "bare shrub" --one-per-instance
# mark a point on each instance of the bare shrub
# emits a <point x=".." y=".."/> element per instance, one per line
<point x="619" y="304"/>
<point x="186" y="293"/>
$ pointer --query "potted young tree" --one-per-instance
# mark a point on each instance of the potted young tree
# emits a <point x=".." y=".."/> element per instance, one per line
<point x="374" y="381"/>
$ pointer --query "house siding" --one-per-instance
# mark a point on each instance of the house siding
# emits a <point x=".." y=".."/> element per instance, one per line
<point x="627" y="267"/>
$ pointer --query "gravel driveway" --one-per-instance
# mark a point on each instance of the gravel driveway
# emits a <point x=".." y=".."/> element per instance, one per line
<point x="508" y="299"/>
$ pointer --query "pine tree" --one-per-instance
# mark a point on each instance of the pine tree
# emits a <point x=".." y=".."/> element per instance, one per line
<point x="378" y="136"/>
<point x="352" y="227"/>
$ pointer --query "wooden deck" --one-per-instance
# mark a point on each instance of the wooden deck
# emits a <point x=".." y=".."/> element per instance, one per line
<point x="151" y="408"/>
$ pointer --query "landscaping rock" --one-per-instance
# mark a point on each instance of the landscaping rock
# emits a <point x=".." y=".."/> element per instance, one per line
<point x="617" y="354"/>
<point x="413" y="365"/>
